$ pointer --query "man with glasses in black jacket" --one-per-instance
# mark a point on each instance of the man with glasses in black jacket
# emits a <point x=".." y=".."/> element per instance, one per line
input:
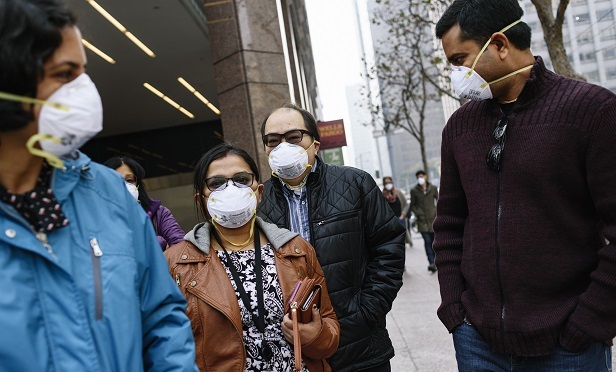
<point x="527" y="200"/>
<point x="343" y="214"/>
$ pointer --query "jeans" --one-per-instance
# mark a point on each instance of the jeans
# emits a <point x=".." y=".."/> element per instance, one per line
<point x="428" y="238"/>
<point x="474" y="354"/>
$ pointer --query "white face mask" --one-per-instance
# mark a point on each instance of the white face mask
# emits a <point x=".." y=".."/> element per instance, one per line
<point x="69" y="118"/>
<point x="421" y="181"/>
<point x="288" y="161"/>
<point x="469" y="87"/>
<point x="75" y="126"/>
<point x="134" y="190"/>
<point x="233" y="206"/>
<point x="389" y="186"/>
<point x="468" y="84"/>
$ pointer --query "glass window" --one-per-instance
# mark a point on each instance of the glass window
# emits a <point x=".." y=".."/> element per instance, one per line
<point x="611" y="73"/>
<point x="582" y="18"/>
<point x="605" y="15"/>
<point x="608" y="33"/>
<point x="585" y="37"/>
<point x="592" y="76"/>
<point x="588" y="57"/>
<point x="609" y="53"/>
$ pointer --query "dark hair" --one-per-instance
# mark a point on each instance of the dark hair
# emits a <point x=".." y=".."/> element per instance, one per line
<point x="309" y="120"/>
<point x="479" y="19"/>
<point x="217" y="152"/>
<point x="117" y="161"/>
<point x="388" y="178"/>
<point x="30" y="31"/>
<point x="420" y="172"/>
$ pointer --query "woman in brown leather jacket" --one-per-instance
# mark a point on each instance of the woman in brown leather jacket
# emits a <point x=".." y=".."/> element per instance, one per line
<point x="244" y="328"/>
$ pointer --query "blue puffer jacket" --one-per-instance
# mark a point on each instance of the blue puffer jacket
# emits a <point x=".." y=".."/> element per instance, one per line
<point x="65" y="308"/>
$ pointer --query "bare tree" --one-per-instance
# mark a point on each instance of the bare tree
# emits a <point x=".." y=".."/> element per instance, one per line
<point x="552" y="26"/>
<point x="407" y="67"/>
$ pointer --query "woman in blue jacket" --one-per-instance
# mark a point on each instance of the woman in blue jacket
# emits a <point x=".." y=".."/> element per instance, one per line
<point x="84" y="286"/>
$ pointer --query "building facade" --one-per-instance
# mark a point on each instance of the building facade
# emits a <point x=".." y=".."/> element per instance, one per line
<point x="213" y="69"/>
<point x="589" y="36"/>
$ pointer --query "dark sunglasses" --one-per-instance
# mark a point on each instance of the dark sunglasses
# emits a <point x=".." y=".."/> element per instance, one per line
<point x="240" y="179"/>
<point x="294" y="136"/>
<point x="494" y="159"/>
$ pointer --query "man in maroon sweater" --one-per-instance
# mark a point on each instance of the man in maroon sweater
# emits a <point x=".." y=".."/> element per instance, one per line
<point x="527" y="201"/>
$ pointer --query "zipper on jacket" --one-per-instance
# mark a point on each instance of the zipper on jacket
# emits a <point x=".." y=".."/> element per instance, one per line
<point x="239" y="331"/>
<point x="96" y="273"/>
<point x="498" y="253"/>
<point x="308" y="199"/>
<point x="177" y="279"/>
<point x="42" y="237"/>
<point x="498" y="256"/>
<point x="338" y="216"/>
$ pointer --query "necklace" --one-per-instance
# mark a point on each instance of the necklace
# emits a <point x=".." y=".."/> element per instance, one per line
<point x="506" y="102"/>
<point x="240" y="245"/>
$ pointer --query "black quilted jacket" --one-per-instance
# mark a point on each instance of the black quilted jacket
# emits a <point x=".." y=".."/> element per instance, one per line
<point x="360" y="245"/>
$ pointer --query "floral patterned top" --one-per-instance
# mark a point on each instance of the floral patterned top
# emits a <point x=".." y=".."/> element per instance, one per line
<point x="38" y="206"/>
<point x="244" y="262"/>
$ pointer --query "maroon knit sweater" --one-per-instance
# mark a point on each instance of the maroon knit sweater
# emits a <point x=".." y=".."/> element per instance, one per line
<point x="541" y="273"/>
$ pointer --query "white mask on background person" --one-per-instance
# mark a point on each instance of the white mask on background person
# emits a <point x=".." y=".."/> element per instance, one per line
<point x="468" y="84"/>
<point x="288" y="161"/>
<point x="232" y="207"/>
<point x="421" y="181"/>
<point x="61" y="131"/>
<point x="389" y="186"/>
<point x="133" y="190"/>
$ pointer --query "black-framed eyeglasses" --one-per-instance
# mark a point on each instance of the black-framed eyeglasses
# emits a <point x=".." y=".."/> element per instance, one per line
<point x="294" y="136"/>
<point x="494" y="158"/>
<point x="239" y="179"/>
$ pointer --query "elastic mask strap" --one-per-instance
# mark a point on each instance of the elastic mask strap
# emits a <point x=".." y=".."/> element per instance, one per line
<point x="254" y="192"/>
<point x="300" y="186"/>
<point x="485" y="46"/>
<point x="306" y="150"/>
<point x="252" y="231"/>
<point x="53" y="160"/>
<point x="24" y="99"/>
<point x="508" y="75"/>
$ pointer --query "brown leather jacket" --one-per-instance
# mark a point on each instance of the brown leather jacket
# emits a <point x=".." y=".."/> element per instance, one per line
<point x="213" y="307"/>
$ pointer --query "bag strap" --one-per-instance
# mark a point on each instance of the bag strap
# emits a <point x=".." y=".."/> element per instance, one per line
<point x="297" y="344"/>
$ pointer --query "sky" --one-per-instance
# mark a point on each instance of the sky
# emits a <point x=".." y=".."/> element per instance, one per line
<point x="335" y="42"/>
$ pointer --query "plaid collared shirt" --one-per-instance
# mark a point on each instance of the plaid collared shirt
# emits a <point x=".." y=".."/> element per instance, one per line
<point x="298" y="208"/>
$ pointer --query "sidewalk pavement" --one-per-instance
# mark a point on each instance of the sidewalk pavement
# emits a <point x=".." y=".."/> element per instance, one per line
<point x="421" y="342"/>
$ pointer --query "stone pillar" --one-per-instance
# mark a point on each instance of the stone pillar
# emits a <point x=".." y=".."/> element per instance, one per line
<point x="249" y="66"/>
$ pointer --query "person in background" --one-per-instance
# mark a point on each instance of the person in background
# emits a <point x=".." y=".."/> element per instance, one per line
<point x="526" y="218"/>
<point x="358" y="239"/>
<point x="168" y="231"/>
<point x="395" y="198"/>
<point x="83" y="285"/>
<point x="423" y="204"/>
<point x="238" y="274"/>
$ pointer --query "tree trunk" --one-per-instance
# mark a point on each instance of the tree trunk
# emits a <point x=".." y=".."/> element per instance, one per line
<point x="424" y="158"/>
<point x="553" y="36"/>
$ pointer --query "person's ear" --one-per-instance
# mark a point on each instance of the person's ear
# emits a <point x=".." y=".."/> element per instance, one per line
<point x="502" y="44"/>
<point x="317" y="144"/>
<point x="259" y="192"/>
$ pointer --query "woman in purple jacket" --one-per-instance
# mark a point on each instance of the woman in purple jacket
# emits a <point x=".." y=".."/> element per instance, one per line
<point x="167" y="229"/>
